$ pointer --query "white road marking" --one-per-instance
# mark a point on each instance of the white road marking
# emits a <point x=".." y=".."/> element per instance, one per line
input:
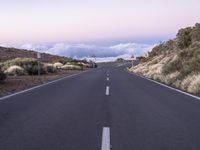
<point x="107" y="90"/>
<point x="177" y="90"/>
<point x="108" y="73"/>
<point x="39" y="86"/>
<point x="107" y="78"/>
<point x="119" y="65"/>
<point x="105" y="145"/>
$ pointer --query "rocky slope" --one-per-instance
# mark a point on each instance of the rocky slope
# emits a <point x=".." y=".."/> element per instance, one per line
<point x="12" y="53"/>
<point x="175" y="62"/>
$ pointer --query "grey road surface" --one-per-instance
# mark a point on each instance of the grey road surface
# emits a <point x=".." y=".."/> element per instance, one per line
<point x="71" y="114"/>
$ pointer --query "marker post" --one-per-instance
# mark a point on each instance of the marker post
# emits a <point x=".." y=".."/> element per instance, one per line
<point x="38" y="58"/>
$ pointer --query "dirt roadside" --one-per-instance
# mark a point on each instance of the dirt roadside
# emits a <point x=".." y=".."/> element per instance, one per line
<point x="15" y="84"/>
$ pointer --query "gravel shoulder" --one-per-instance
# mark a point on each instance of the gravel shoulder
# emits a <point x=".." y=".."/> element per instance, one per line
<point x="15" y="84"/>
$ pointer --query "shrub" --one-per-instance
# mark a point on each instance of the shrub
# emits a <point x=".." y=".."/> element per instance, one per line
<point x="15" y="70"/>
<point x="195" y="34"/>
<point x="187" y="81"/>
<point x="62" y="60"/>
<point x="72" y="67"/>
<point x="86" y="65"/>
<point x="194" y="86"/>
<point x="30" y="65"/>
<point x="184" y="38"/>
<point x="2" y="76"/>
<point x="19" y="62"/>
<point x="76" y="63"/>
<point x="50" y="68"/>
<point x="190" y="59"/>
<point x="119" y="60"/>
<point x="173" y="66"/>
<point x="82" y="64"/>
<point x="177" y="83"/>
<point x="58" y="65"/>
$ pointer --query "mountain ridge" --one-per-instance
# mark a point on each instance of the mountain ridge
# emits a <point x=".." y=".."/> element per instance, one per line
<point x="8" y="53"/>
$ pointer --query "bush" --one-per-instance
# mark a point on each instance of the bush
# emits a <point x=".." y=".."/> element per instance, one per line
<point x="63" y="60"/>
<point x="173" y="66"/>
<point x="120" y="60"/>
<point x="30" y="65"/>
<point x="2" y="76"/>
<point x="184" y="38"/>
<point x="187" y="61"/>
<point x="33" y="69"/>
<point x="72" y="67"/>
<point x="194" y="86"/>
<point x="50" y="68"/>
<point x="76" y="63"/>
<point x="86" y="65"/>
<point x="195" y="34"/>
<point x="15" y="70"/>
<point x="81" y="64"/>
<point x="58" y="65"/>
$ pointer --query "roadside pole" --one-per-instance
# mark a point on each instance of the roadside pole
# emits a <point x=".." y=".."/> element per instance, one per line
<point x="38" y="58"/>
<point x="94" y="59"/>
<point x="132" y="63"/>
<point x="132" y="60"/>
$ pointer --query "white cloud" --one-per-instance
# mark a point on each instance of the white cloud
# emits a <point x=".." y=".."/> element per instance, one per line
<point x="102" y="53"/>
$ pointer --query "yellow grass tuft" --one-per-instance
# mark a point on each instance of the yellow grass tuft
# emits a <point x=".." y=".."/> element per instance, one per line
<point x="15" y="70"/>
<point x="58" y="65"/>
<point x="194" y="86"/>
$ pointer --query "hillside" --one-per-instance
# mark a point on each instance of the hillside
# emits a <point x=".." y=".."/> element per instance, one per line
<point x="19" y="70"/>
<point x="175" y="62"/>
<point x="12" y="53"/>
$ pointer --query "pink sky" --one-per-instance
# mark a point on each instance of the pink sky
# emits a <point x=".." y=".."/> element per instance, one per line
<point x="93" y="20"/>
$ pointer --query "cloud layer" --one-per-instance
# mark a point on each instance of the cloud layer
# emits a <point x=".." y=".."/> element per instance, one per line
<point x="102" y="53"/>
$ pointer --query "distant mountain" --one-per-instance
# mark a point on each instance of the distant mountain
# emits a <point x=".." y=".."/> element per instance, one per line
<point x="11" y="53"/>
<point x="175" y="62"/>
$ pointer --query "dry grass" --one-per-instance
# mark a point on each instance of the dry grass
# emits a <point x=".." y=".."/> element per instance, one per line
<point x="18" y="83"/>
<point x="71" y="67"/>
<point x="194" y="86"/>
<point x="58" y="65"/>
<point x="50" y="68"/>
<point x="187" y="81"/>
<point x="15" y="70"/>
<point x="176" y="62"/>
<point x="153" y="68"/>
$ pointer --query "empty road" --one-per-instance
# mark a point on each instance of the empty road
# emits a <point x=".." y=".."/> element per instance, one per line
<point x="103" y="109"/>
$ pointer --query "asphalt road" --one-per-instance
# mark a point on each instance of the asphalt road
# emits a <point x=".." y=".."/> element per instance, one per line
<point x="106" y="108"/>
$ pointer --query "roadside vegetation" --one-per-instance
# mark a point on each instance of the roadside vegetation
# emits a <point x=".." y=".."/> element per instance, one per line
<point x="2" y="75"/>
<point x="29" y="66"/>
<point x="175" y="62"/>
<point x="19" y="69"/>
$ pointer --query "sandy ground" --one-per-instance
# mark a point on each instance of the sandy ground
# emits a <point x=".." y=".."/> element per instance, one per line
<point x="18" y="83"/>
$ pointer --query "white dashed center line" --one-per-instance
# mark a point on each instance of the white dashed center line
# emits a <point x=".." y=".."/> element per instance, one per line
<point x="105" y="145"/>
<point x="107" y="90"/>
<point x="107" y="78"/>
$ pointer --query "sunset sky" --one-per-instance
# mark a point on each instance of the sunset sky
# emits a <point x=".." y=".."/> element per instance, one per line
<point x="99" y="23"/>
